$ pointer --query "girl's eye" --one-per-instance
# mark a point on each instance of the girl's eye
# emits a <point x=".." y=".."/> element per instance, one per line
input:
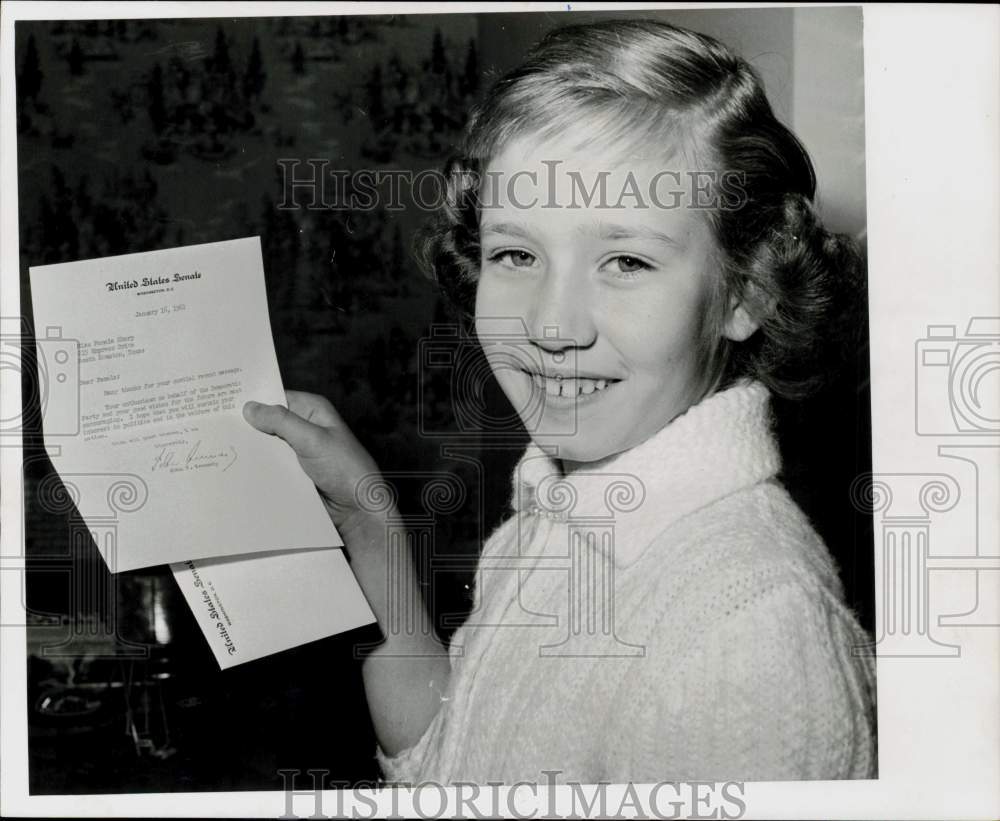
<point x="629" y="265"/>
<point x="626" y="265"/>
<point x="514" y="258"/>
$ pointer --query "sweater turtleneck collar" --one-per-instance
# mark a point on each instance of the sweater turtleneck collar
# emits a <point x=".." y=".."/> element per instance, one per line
<point x="717" y="447"/>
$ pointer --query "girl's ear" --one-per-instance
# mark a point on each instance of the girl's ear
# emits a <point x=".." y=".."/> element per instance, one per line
<point x="740" y="325"/>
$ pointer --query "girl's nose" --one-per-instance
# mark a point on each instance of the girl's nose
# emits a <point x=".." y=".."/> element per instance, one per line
<point x="560" y="314"/>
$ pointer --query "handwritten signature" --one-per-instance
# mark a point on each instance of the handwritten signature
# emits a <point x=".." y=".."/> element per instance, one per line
<point x="175" y="456"/>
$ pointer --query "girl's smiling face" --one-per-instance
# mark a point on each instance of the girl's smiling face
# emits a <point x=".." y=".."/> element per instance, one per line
<point x="608" y="304"/>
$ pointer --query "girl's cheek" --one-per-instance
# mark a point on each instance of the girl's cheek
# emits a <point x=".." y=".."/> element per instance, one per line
<point x="493" y="298"/>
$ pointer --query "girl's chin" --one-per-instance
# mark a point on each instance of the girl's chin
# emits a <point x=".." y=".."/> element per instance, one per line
<point x="579" y="449"/>
<point x="581" y="428"/>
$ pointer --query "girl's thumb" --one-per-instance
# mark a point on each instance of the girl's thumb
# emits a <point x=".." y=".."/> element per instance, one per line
<point x="280" y="421"/>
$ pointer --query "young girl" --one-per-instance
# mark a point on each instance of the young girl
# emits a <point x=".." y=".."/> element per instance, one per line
<point x="632" y="229"/>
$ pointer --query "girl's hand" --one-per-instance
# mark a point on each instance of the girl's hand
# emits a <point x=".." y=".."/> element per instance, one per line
<point x="327" y="450"/>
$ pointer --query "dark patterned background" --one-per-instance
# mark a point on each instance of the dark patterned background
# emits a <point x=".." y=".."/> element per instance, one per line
<point x="137" y="135"/>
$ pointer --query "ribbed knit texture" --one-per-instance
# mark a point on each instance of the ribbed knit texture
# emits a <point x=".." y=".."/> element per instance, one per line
<point x="733" y="658"/>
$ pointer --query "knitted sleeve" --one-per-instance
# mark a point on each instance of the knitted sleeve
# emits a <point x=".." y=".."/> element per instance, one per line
<point x="771" y="692"/>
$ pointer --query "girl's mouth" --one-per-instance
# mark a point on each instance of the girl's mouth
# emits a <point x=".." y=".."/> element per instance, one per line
<point x="571" y="387"/>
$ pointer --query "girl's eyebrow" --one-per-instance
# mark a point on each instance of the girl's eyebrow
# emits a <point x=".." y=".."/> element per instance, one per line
<point x="612" y="231"/>
<point x="605" y="231"/>
<point x="511" y="229"/>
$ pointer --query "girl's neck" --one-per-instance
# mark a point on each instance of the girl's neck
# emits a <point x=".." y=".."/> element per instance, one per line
<point x="570" y="467"/>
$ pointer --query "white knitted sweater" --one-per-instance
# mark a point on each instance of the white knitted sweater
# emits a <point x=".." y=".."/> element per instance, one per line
<point x="723" y="650"/>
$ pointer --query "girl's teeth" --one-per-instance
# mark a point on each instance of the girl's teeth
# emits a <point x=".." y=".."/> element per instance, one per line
<point x="569" y="387"/>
